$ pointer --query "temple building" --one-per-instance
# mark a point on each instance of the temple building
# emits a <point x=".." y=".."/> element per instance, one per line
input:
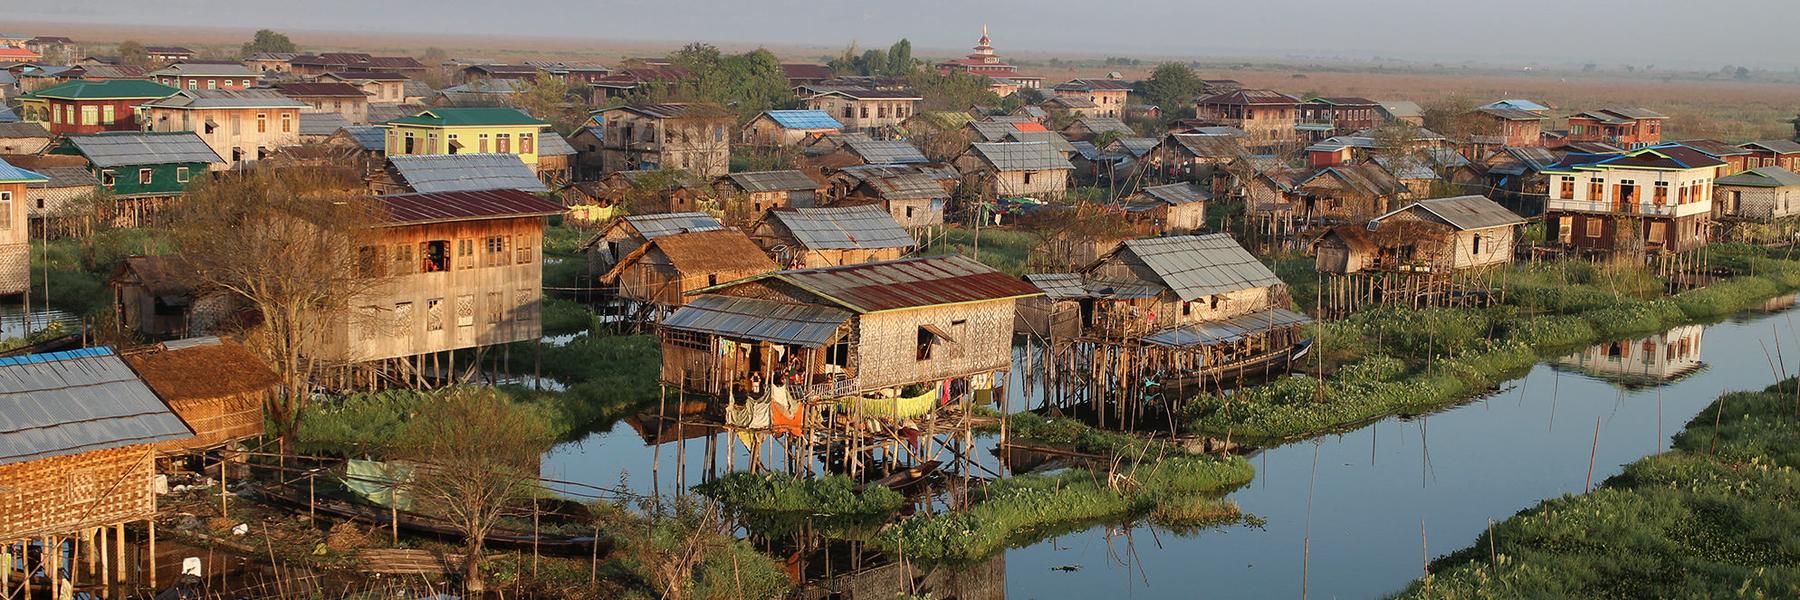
<point x="985" y="62"/>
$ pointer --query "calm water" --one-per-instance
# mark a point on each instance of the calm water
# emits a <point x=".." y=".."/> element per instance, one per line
<point x="1452" y="471"/>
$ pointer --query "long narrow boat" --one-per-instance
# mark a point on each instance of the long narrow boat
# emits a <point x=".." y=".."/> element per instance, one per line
<point x="410" y="522"/>
<point x="906" y="478"/>
<point x="1273" y="362"/>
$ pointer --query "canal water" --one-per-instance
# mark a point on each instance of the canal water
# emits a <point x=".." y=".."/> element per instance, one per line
<point x="1354" y="529"/>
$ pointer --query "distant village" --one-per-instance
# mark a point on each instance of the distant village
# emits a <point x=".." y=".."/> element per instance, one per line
<point x="823" y="260"/>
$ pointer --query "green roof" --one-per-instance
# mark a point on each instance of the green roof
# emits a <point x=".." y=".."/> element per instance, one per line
<point x="469" y="117"/>
<point x="104" y="89"/>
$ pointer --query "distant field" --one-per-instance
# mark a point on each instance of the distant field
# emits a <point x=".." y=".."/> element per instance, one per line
<point x="1726" y="110"/>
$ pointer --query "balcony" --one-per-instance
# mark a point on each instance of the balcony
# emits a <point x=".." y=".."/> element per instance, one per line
<point x="1649" y="209"/>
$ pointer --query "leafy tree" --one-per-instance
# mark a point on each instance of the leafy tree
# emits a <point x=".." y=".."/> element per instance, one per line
<point x="550" y="99"/>
<point x="955" y="91"/>
<point x="268" y="40"/>
<point x="1172" y="87"/>
<point x="132" y="53"/>
<point x="746" y="83"/>
<point x="900" y="60"/>
<point x="482" y="451"/>
<point x="286" y="242"/>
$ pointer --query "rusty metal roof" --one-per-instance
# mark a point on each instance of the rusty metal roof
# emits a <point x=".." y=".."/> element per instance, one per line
<point x="1227" y="330"/>
<point x="906" y="283"/>
<point x="843" y="227"/>
<point x="443" y="207"/>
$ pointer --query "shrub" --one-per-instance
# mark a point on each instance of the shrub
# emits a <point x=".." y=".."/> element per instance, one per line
<point x="781" y="492"/>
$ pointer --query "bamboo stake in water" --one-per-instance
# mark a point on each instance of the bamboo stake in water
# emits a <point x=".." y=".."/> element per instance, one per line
<point x="1591" y="453"/>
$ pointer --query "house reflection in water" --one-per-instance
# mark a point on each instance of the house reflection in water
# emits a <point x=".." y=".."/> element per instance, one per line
<point x="1642" y="362"/>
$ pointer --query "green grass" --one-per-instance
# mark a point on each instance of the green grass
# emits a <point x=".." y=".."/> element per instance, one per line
<point x="780" y="492"/>
<point x="1025" y="508"/>
<point x="1715" y="517"/>
<point x="1003" y="249"/>
<point x="78" y="267"/>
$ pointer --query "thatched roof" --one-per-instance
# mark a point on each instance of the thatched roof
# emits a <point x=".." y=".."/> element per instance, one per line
<point x="722" y="251"/>
<point x="202" y="368"/>
<point x="1425" y="236"/>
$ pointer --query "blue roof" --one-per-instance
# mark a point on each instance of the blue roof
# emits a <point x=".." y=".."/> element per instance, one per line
<point x="8" y="116"/>
<point x="1518" y="104"/>
<point x="9" y="173"/>
<point x="804" y="119"/>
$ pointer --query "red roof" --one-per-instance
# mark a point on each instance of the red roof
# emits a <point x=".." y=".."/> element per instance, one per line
<point x="441" y="207"/>
<point x="6" y="52"/>
<point x="1032" y="126"/>
<point x="312" y="89"/>
<point x="908" y="283"/>
<point x="805" y="71"/>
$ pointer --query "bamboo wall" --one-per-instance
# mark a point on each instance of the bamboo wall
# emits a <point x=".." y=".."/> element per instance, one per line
<point x="66" y="494"/>
<point x="886" y="351"/>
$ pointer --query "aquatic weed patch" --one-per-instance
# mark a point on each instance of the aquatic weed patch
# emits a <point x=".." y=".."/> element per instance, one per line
<point x="781" y="492"/>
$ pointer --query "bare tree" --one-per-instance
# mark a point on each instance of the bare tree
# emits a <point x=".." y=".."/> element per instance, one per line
<point x="285" y="241"/>
<point x="478" y="454"/>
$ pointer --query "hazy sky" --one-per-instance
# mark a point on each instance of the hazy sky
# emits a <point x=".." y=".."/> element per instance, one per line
<point x="1692" y="33"/>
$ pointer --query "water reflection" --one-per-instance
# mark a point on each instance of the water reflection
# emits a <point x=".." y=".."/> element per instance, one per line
<point x="1642" y="362"/>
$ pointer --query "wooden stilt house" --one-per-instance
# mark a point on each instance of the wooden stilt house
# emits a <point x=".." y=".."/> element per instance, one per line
<point x="631" y="231"/>
<point x="831" y="236"/>
<point x="78" y="432"/>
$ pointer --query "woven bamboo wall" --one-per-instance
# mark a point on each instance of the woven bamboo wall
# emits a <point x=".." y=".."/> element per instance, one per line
<point x="886" y="352"/>
<point x="65" y="494"/>
<point x="217" y="420"/>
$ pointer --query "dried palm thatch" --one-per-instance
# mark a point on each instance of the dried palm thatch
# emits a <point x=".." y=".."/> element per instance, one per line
<point x="216" y="386"/>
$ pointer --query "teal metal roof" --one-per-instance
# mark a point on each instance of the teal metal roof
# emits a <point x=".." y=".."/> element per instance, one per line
<point x="12" y="174"/>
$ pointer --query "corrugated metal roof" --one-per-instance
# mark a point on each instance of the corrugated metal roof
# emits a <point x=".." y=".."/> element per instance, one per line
<point x="1136" y="146"/>
<point x="1226" y="330"/>
<point x="1406" y="167"/>
<point x="12" y="174"/>
<point x="907" y="186"/>
<point x="1056" y="140"/>
<point x="803" y="119"/>
<point x="1021" y="156"/>
<point x="1105" y="124"/>
<point x="1197" y="266"/>
<point x="1251" y="97"/>
<point x="441" y="207"/>
<point x="886" y="152"/>
<point x="661" y="224"/>
<point x="1177" y="193"/>
<point x="466" y="172"/>
<point x="1512" y="114"/>
<point x="370" y="137"/>
<point x="1776" y="146"/>
<point x="809" y="325"/>
<point x="1071" y="286"/>
<point x="1464" y="212"/>
<point x="66" y="403"/>
<point x="1058" y="286"/>
<point x="864" y="226"/>
<point x="773" y="181"/>
<point x="991" y="131"/>
<point x="1761" y="177"/>
<point x="1202" y="145"/>
<point x="551" y="144"/>
<point x="907" y="283"/>
<point x="322" y="123"/>
<point x="121" y="148"/>
<point x="64" y="177"/>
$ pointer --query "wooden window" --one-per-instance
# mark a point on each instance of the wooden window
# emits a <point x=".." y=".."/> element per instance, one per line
<point x="1593" y="227"/>
<point x="408" y="147"/>
<point x="434" y="314"/>
<point x="1475" y="245"/>
<point x="1596" y="190"/>
<point x="262" y="122"/>
<point x="688" y="339"/>
<point x="287" y="122"/>
<point x="434" y="256"/>
<point x="527" y="301"/>
<point x="90" y="115"/>
<point x="368" y="322"/>
<point x="526" y="249"/>
<point x="144" y="177"/>
<point x="368" y="261"/>
<point x="482" y="141"/>
<point x="182" y="175"/>
<point x="465" y="310"/>
<point x="1568" y="188"/>
<point x="452" y="145"/>
<point x="431" y="143"/>
<point x="1661" y="193"/>
<point x="1683" y="199"/>
<point x="108" y="178"/>
<point x="402" y="260"/>
<point x="496" y="251"/>
<point x="465" y="254"/>
<point x="108" y="114"/>
<point x="526" y="143"/>
<point x="502" y="143"/>
<point x="926" y="340"/>
<point x="237" y="125"/>
<point x="6" y="203"/>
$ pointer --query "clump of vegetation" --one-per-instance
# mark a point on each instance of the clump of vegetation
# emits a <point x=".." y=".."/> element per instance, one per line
<point x="1025" y="507"/>
<point x="1003" y="249"/>
<point x="1712" y="518"/>
<point x="770" y="491"/>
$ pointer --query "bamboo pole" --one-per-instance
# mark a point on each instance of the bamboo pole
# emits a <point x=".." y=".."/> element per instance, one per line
<point x="119" y="549"/>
